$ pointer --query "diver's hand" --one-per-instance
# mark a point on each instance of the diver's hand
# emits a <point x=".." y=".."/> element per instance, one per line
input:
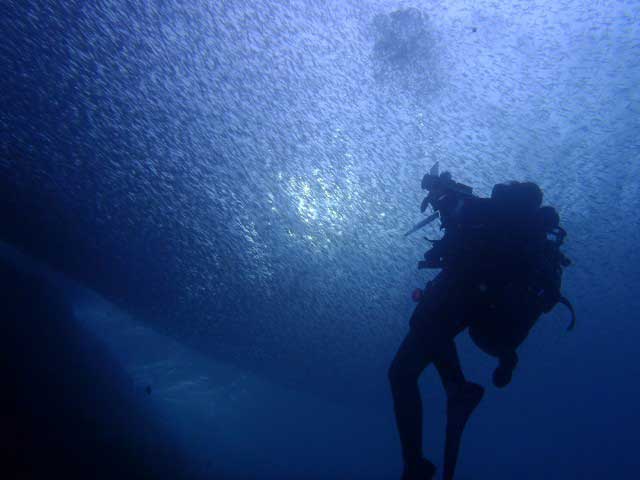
<point x="504" y="371"/>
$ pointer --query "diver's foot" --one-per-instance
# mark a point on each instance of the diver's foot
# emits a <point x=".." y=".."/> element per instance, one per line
<point x="424" y="470"/>
<point x="462" y="403"/>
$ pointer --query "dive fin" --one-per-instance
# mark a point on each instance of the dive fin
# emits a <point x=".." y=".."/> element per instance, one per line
<point x="459" y="410"/>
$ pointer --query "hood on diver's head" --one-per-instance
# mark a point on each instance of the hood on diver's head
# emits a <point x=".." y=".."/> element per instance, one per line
<point x="435" y="180"/>
<point x="438" y="184"/>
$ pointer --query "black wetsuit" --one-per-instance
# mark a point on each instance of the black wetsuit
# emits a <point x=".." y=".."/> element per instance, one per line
<point x="500" y="272"/>
<point x="472" y="268"/>
<point x="443" y="312"/>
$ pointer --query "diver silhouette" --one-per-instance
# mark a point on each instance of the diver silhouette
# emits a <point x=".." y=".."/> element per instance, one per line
<point x="501" y="269"/>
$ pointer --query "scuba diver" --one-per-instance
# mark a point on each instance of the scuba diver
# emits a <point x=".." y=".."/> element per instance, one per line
<point x="500" y="270"/>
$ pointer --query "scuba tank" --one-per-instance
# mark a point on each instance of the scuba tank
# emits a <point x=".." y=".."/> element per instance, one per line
<point x="513" y="221"/>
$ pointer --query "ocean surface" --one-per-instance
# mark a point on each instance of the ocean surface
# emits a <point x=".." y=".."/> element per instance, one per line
<point x="220" y="190"/>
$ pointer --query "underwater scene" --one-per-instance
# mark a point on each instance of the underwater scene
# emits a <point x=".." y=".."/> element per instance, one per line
<point x="320" y="239"/>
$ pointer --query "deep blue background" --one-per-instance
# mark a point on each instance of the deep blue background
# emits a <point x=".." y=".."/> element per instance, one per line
<point x="236" y="177"/>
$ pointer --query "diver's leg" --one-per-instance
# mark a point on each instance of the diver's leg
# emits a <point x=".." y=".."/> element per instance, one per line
<point x="434" y="324"/>
<point x="462" y="399"/>
<point x="406" y="367"/>
<point x="449" y="369"/>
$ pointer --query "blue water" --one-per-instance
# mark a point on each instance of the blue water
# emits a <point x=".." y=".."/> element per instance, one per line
<point x="228" y="183"/>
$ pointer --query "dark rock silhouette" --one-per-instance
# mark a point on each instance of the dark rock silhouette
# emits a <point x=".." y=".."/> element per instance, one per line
<point x="71" y="411"/>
